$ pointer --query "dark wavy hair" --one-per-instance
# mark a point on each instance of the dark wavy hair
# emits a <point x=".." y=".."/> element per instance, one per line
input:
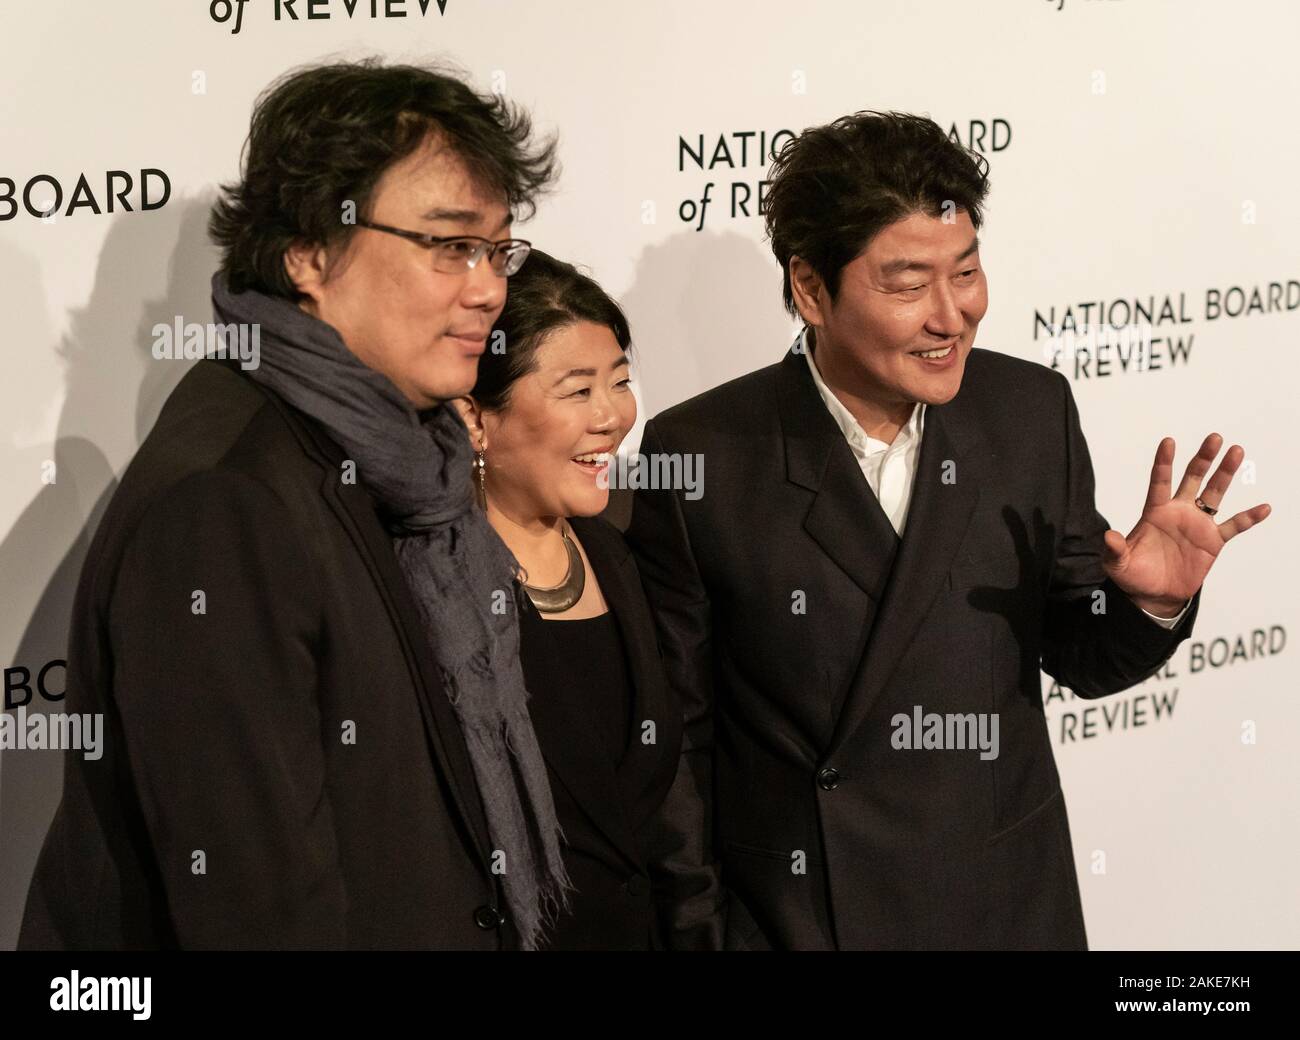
<point x="545" y="295"/>
<point x="324" y="135"/>
<point x="834" y="187"/>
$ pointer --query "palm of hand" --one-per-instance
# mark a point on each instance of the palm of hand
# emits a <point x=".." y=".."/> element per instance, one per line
<point x="1167" y="555"/>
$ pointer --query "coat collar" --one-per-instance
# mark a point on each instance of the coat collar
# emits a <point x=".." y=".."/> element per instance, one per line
<point x="356" y="510"/>
<point x="849" y="426"/>
<point x="845" y="518"/>
<point x="902" y="576"/>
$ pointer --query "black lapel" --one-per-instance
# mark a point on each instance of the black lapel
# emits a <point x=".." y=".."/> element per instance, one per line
<point x="950" y="472"/>
<point x="355" y="509"/>
<point x="571" y="748"/>
<point x="644" y="784"/>
<point x="845" y="519"/>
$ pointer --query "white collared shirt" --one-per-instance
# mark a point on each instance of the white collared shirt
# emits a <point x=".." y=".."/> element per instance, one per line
<point x="890" y="469"/>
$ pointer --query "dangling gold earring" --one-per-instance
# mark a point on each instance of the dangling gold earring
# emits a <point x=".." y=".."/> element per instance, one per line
<point x="480" y="464"/>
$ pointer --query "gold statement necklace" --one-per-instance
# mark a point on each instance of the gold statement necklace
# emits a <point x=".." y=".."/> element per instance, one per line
<point x="561" y="597"/>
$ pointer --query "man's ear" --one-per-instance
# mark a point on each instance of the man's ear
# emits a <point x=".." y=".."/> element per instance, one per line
<point x="306" y="265"/>
<point x="808" y="290"/>
<point x="472" y="415"/>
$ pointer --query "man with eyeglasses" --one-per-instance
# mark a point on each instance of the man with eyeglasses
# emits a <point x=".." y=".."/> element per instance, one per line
<point x="317" y="733"/>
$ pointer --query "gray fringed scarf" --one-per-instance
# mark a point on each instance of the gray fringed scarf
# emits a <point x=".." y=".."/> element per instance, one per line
<point x="455" y="564"/>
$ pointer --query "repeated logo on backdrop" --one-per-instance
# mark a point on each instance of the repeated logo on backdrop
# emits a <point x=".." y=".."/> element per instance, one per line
<point x="1148" y="334"/>
<point x="728" y="170"/>
<point x="231" y="13"/>
<point x="1072" y="719"/>
<point x="47" y="196"/>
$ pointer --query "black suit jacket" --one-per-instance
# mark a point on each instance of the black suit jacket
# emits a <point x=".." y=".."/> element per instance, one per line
<point x="630" y="829"/>
<point x="828" y="836"/>
<point x="282" y="769"/>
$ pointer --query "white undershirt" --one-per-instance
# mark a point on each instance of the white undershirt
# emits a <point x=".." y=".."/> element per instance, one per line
<point x="890" y="469"/>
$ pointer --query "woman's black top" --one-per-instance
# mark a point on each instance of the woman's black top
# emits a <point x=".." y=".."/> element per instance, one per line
<point x="610" y="729"/>
<point x="580" y="667"/>
<point x="583" y="663"/>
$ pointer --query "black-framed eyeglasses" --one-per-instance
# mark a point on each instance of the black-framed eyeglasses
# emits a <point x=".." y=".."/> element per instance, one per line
<point x="461" y="253"/>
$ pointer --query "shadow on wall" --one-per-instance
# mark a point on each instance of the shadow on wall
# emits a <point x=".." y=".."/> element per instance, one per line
<point x="704" y="308"/>
<point x="151" y="268"/>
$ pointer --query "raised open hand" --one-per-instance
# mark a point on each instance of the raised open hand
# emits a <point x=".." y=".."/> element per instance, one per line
<point x="1165" y="558"/>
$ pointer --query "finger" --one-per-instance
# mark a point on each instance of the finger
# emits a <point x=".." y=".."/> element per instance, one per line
<point x="1115" y="547"/>
<point x="1198" y="467"/>
<point x="1162" y="473"/>
<point x="1218" y="485"/>
<point x="1244" y="521"/>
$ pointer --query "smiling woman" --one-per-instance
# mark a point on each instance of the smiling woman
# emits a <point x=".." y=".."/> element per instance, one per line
<point x="551" y="406"/>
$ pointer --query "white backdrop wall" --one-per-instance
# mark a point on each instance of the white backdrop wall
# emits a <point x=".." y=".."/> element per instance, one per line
<point x="1140" y="150"/>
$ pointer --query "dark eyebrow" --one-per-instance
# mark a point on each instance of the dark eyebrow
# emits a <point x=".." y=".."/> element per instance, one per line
<point x="465" y="216"/>
<point x="894" y="267"/>
<point x="587" y="371"/>
<point x="457" y="216"/>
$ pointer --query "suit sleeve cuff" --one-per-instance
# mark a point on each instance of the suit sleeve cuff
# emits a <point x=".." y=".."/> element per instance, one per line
<point x="1167" y="622"/>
